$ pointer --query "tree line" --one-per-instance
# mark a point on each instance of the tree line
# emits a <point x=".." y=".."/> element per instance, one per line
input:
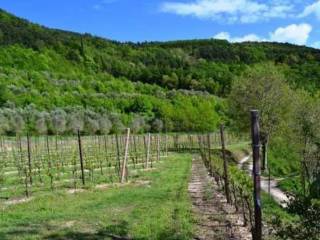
<point x="289" y="121"/>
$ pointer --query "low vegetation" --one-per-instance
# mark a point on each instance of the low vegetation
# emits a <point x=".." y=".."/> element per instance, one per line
<point x="158" y="210"/>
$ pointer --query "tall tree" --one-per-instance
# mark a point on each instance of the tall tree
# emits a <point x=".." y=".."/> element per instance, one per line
<point x="264" y="88"/>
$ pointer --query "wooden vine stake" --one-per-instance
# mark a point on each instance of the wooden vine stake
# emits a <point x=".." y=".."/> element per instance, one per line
<point x="81" y="158"/>
<point x="118" y="154"/>
<point x="166" y="145"/>
<point x="148" y="150"/>
<point x="225" y="164"/>
<point x="29" y="158"/>
<point x="158" y="147"/>
<point x="257" y="231"/>
<point x="124" y="163"/>
<point x="209" y="155"/>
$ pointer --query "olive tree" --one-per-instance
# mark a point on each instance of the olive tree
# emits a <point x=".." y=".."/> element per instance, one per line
<point x="138" y="124"/>
<point x="41" y="122"/>
<point x="157" y="125"/>
<point x="117" y="125"/>
<point x="75" y="121"/>
<point x="264" y="88"/>
<point x="17" y="122"/>
<point x="105" y="124"/>
<point x="59" y="121"/>
<point x="91" y="121"/>
<point x="4" y="123"/>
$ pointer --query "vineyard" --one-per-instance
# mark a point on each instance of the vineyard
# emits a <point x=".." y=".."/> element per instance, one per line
<point x="42" y="169"/>
<point x="33" y="164"/>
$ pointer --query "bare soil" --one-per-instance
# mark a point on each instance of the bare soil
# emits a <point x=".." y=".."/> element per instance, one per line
<point x="215" y="218"/>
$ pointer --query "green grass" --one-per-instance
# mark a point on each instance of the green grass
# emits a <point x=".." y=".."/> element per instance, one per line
<point x="161" y="210"/>
<point x="291" y="184"/>
<point x="272" y="209"/>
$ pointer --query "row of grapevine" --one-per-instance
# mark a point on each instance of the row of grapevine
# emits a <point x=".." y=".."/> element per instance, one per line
<point x="237" y="185"/>
<point x="39" y="163"/>
<point x="30" y="164"/>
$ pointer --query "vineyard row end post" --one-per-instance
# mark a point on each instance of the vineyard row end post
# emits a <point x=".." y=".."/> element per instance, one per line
<point x="225" y="164"/>
<point x="257" y="231"/>
<point x="81" y="158"/>
<point x="124" y="163"/>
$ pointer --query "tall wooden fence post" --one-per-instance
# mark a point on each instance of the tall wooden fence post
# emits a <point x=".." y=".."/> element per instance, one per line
<point x="81" y="158"/>
<point x="158" y="147"/>
<point x="257" y="231"/>
<point x="225" y="164"/>
<point x="209" y="155"/>
<point x="166" y="145"/>
<point x="126" y="151"/>
<point x="29" y="158"/>
<point x="118" y="154"/>
<point x="148" y="150"/>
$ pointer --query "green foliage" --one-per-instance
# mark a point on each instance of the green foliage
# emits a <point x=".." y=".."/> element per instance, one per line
<point x="208" y="65"/>
<point x="264" y="88"/>
<point x="283" y="158"/>
<point x="306" y="225"/>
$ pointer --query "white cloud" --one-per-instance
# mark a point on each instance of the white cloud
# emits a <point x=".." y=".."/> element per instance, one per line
<point x="245" y="11"/>
<point x="223" y="36"/>
<point x="312" y="9"/>
<point x="296" y="34"/>
<point x="246" y="38"/>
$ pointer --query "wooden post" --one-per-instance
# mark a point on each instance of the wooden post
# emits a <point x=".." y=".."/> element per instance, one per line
<point x="269" y="181"/>
<point x="158" y="147"/>
<point x="118" y="154"/>
<point x="29" y="158"/>
<point x="148" y="150"/>
<point x="81" y="158"/>
<point x="166" y="145"/>
<point x="124" y="163"/>
<point x="105" y="144"/>
<point x="257" y="231"/>
<point x="135" y="157"/>
<point x="209" y="155"/>
<point x="49" y="163"/>
<point x="225" y="164"/>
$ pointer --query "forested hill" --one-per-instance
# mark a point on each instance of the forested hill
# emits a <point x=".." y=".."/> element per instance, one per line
<point x="81" y="80"/>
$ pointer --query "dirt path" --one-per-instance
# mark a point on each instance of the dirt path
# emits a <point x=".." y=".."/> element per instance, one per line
<point x="277" y="194"/>
<point x="215" y="218"/>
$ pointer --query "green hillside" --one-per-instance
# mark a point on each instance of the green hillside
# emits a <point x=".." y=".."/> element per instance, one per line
<point x="57" y="82"/>
<point x="52" y="78"/>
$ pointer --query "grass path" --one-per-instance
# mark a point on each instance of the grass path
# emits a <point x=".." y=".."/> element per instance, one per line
<point x="158" y="210"/>
<point x="277" y="194"/>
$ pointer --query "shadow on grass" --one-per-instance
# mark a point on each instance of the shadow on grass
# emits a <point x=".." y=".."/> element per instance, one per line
<point x="119" y="231"/>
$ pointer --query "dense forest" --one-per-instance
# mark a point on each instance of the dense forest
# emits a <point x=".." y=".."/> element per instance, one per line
<point x="58" y="81"/>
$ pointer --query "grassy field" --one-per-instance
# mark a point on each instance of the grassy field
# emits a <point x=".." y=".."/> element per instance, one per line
<point x="157" y="209"/>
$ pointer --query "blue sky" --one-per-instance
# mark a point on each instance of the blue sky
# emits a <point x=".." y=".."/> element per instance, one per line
<point x="294" y="21"/>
